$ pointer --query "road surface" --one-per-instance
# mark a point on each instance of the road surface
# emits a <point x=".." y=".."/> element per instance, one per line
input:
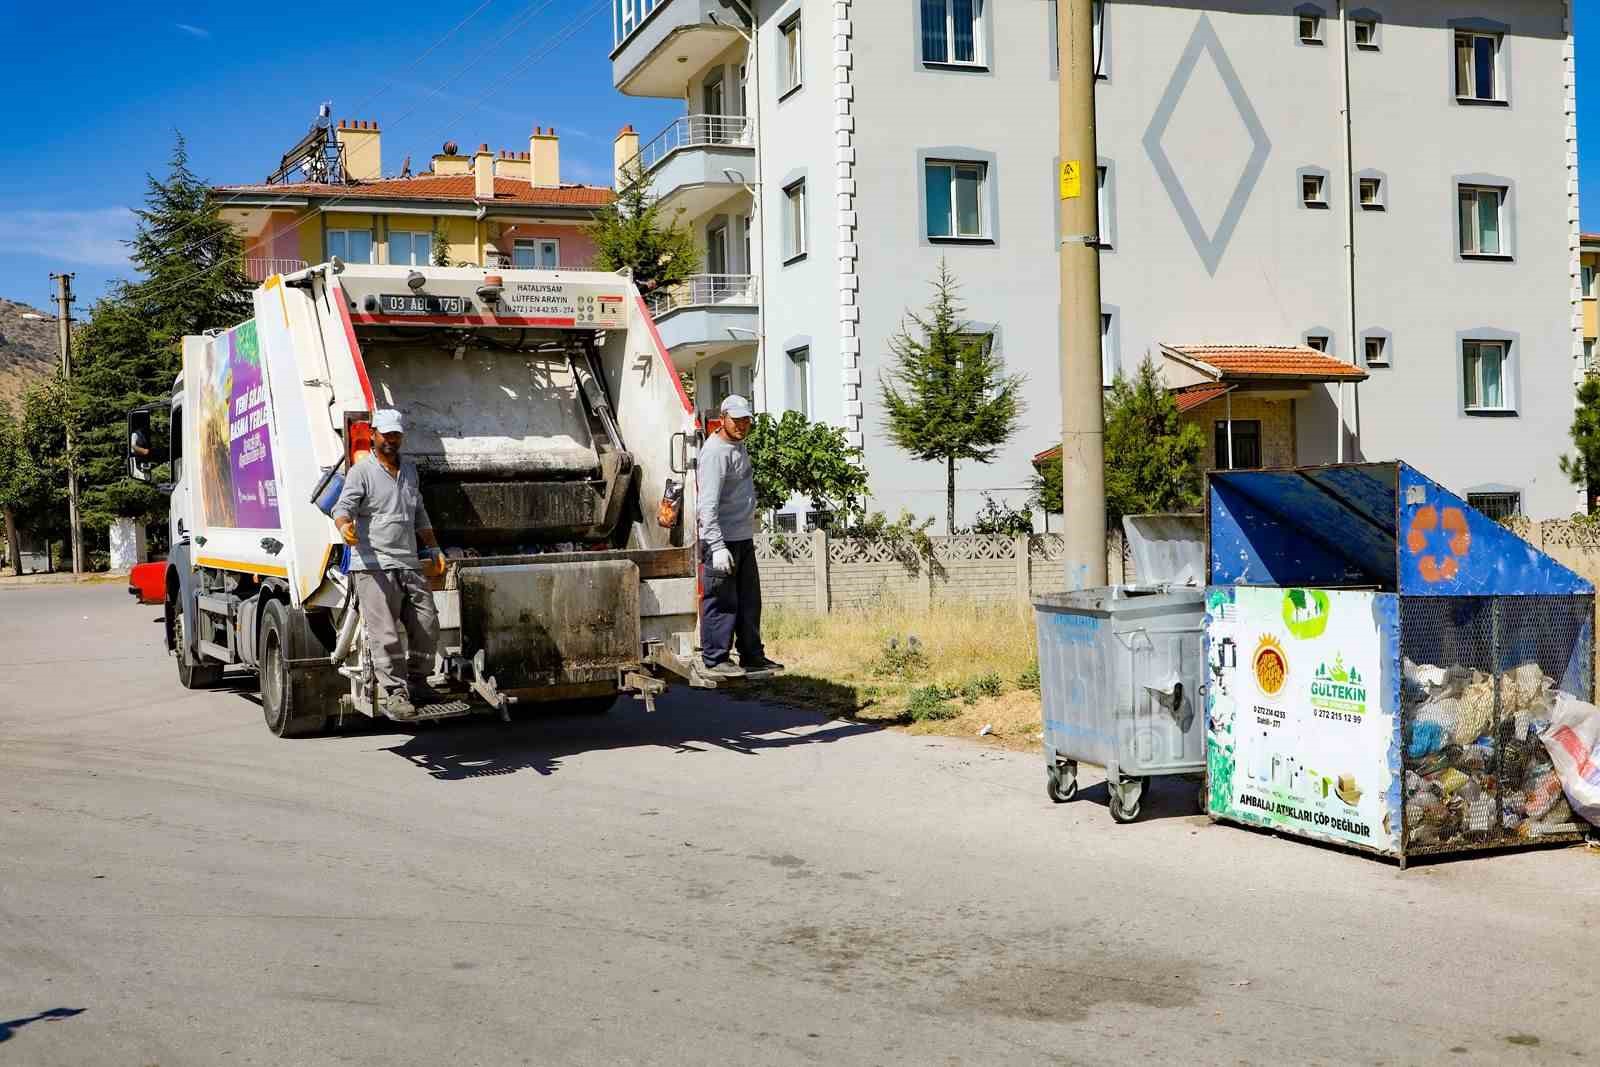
<point x="722" y="881"/>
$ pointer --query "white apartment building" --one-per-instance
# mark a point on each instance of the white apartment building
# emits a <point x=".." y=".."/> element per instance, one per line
<point x="833" y="151"/>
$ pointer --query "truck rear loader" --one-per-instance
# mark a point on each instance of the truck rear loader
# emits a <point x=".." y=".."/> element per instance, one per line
<point x="547" y="424"/>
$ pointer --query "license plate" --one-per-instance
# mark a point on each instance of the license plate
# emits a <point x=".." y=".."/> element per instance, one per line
<point x="422" y="304"/>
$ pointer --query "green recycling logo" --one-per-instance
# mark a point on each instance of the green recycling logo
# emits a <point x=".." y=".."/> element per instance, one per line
<point x="1305" y="613"/>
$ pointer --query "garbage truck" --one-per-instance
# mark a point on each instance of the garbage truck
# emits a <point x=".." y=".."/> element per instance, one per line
<point x="555" y="448"/>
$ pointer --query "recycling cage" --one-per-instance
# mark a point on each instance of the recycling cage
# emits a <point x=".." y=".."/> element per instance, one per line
<point x="1380" y="660"/>
<point x="1121" y="668"/>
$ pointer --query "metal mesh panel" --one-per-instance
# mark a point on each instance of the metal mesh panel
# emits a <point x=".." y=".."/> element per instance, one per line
<point x="1480" y="675"/>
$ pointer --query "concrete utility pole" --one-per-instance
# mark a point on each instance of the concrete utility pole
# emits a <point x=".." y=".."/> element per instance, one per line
<point x="63" y="301"/>
<point x="1083" y="472"/>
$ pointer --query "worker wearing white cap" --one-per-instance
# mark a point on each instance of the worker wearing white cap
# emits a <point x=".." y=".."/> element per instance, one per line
<point x="730" y="586"/>
<point x="381" y="517"/>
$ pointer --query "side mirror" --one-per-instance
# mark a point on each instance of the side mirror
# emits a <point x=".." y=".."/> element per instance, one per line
<point x="145" y="452"/>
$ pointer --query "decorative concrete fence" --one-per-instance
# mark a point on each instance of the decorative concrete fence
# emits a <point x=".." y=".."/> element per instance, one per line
<point x="818" y="573"/>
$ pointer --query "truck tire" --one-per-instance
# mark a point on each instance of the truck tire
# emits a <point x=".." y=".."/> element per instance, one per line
<point x="193" y="673"/>
<point x="288" y="701"/>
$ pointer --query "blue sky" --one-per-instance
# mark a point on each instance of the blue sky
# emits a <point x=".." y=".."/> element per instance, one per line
<point x="111" y="87"/>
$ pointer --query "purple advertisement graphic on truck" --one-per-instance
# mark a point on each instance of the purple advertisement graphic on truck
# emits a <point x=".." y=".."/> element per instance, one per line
<point x="237" y="478"/>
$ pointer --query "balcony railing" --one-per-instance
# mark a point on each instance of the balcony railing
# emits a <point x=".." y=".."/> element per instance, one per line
<point x="501" y="261"/>
<point x="690" y="131"/>
<point x="706" y="290"/>
<point x="259" y="270"/>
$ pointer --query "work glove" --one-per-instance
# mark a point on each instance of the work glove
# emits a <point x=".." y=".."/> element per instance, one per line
<point x="434" y="567"/>
<point x="721" y="561"/>
<point x="348" y="532"/>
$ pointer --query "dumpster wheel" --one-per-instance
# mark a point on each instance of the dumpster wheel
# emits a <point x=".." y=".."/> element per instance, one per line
<point x="1124" y="810"/>
<point x="1061" y="781"/>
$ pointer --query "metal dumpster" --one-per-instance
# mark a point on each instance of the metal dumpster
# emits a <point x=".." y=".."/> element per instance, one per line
<point x="1120" y="669"/>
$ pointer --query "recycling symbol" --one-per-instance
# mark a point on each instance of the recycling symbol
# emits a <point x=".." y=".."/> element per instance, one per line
<point x="1433" y="564"/>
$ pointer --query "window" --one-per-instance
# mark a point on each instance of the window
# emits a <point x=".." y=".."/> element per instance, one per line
<point x="952" y="32"/>
<point x="1310" y="29"/>
<point x="1318" y="341"/>
<point x="1588" y="353"/>
<point x="1478" y="66"/>
<point x="818" y="520"/>
<point x="717" y="248"/>
<point x="1108" y="352"/>
<point x="1314" y="190"/>
<point x="1371" y="190"/>
<point x="409" y="249"/>
<point x="955" y="195"/>
<point x="721" y="388"/>
<point x="800" y="381"/>
<point x="175" y="436"/>
<point x="1377" y="351"/>
<point x="536" y="252"/>
<point x="789" y="56"/>
<point x="1481" y="221"/>
<point x="1102" y="61"/>
<point x="1107" y="226"/>
<point x="1483" y="375"/>
<point x="1246" y="444"/>
<point x="1588" y="280"/>
<point x="1496" y="506"/>
<point x="794" y="221"/>
<point x="786" y="522"/>
<point x="1366" y="34"/>
<point x="352" y="246"/>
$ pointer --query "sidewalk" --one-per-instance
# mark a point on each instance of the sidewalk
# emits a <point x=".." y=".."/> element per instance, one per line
<point x="11" y="581"/>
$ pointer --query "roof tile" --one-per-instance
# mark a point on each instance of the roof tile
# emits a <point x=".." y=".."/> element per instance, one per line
<point x="1285" y="362"/>
<point x="438" y="187"/>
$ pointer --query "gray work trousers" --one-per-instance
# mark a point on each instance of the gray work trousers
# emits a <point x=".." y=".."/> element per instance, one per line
<point x="397" y="610"/>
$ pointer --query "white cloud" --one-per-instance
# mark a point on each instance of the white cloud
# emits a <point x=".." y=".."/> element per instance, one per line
<point x="93" y="236"/>
<point x="193" y="31"/>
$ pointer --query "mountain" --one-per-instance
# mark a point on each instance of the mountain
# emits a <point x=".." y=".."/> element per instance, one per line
<point x="28" y="349"/>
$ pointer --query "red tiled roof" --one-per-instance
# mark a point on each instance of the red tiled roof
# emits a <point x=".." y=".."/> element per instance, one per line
<point x="1196" y="395"/>
<point x="1589" y="238"/>
<point x="1281" y="362"/>
<point x="436" y="187"/>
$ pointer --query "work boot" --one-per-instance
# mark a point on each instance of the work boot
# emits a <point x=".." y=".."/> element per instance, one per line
<point x="761" y="663"/>
<point x="725" y="669"/>
<point x="397" y="704"/>
<point x="421" y="692"/>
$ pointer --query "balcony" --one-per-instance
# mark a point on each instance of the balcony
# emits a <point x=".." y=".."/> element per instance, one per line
<point x="709" y="313"/>
<point x="659" y="44"/>
<point x="697" y="162"/>
<point x="259" y="270"/>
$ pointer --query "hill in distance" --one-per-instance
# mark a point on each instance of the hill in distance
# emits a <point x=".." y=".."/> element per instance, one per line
<point x="28" y="349"/>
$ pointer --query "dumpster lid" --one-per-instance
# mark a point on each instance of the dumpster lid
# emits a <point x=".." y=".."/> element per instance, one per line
<point x="1167" y="549"/>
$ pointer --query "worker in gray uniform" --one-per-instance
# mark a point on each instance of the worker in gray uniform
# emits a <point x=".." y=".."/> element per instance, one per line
<point x="381" y="517"/>
<point x="730" y="585"/>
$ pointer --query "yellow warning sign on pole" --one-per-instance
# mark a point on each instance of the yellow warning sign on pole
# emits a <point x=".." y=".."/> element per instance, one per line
<point x="1071" y="180"/>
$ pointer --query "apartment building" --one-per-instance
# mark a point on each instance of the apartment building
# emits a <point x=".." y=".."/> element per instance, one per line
<point x="833" y="151"/>
<point x="1589" y="266"/>
<point x="330" y="197"/>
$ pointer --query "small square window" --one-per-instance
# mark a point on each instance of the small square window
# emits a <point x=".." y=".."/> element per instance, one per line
<point x="1496" y="506"/>
<point x="1310" y="29"/>
<point x="956" y="199"/>
<point x="1318" y="341"/>
<point x="1313" y="190"/>
<point x="1371" y="193"/>
<point x="952" y="32"/>
<point x="1377" y="350"/>
<point x="1366" y="34"/>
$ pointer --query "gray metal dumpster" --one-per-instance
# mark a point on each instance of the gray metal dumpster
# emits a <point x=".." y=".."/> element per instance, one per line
<point x="1120" y="668"/>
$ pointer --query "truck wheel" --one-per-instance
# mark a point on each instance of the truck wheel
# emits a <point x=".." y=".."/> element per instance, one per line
<point x="284" y="700"/>
<point x="191" y="675"/>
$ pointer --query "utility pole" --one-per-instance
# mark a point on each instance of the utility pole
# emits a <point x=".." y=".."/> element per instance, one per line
<point x="1083" y="471"/>
<point x="63" y="302"/>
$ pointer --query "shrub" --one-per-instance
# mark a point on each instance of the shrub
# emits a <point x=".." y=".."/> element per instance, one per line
<point x="984" y="685"/>
<point x="1029" y="678"/>
<point x="931" y="702"/>
<point x="900" y="659"/>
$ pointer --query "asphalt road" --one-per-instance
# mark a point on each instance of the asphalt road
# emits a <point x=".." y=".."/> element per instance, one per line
<point x="721" y="881"/>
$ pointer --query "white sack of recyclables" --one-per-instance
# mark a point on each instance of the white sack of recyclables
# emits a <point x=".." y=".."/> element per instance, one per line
<point x="1573" y="741"/>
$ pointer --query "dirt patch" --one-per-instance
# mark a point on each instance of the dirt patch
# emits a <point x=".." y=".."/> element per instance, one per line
<point x="1062" y="992"/>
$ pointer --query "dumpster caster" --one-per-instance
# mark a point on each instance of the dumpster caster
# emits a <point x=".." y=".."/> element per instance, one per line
<point x="1125" y="801"/>
<point x="1061" y="781"/>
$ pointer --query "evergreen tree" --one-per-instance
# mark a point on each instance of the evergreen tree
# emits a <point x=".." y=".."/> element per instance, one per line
<point x="439" y="242"/>
<point x="946" y="392"/>
<point x="1584" y="468"/>
<point x="632" y="232"/>
<point x="1152" y="455"/>
<point x="130" y="350"/>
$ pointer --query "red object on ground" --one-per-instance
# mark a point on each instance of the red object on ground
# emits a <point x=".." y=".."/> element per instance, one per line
<point x="148" y="582"/>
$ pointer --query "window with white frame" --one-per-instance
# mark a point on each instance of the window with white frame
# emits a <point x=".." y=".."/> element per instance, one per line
<point x="1588" y="353"/>
<point x="1478" y="75"/>
<point x="1108" y="352"/>
<point x="1371" y="190"/>
<point x="1103" y="205"/>
<point x="1496" y="506"/>
<point x="1317" y="341"/>
<point x="352" y="246"/>
<point x="794" y="220"/>
<point x="1482" y="215"/>
<point x="952" y="32"/>
<point x="1365" y="32"/>
<point x="536" y="252"/>
<point x="1588" y="279"/>
<point x="955" y="195"/>
<point x="1097" y="11"/>
<point x="1314" y="190"/>
<point x="1310" y="29"/>
<point x="800" y="380"/>
<point x="408" y="248"/>
<point x="790" y="54"/>
<point x="1376" y="349"/>
<point x="1483" y="375"/>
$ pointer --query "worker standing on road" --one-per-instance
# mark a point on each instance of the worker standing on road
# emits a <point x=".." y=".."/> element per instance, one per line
<point x="730" y="597"/>
<point x="381" y="517"/>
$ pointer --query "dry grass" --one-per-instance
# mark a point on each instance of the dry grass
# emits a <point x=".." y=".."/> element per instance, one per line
<point x="976" y="664"/>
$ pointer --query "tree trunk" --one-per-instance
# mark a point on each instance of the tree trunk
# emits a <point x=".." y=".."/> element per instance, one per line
<point x="13" y="547"/>
<point x="950" y="495"/>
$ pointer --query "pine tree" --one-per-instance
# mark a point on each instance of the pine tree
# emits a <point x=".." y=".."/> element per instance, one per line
<point x="130" y="350"/>
<point x="632" y="232"/>
<point x="1584" y="468"/>
<point x="946" y="392"/>
<point x="1152" y="455"/>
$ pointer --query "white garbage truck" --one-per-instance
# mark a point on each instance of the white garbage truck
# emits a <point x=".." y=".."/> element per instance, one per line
<point x="555" y="448"/>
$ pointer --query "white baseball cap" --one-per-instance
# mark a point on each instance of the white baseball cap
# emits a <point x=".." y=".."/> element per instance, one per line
<point x="387" y="420"/>
<point x="736" y="407"/>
